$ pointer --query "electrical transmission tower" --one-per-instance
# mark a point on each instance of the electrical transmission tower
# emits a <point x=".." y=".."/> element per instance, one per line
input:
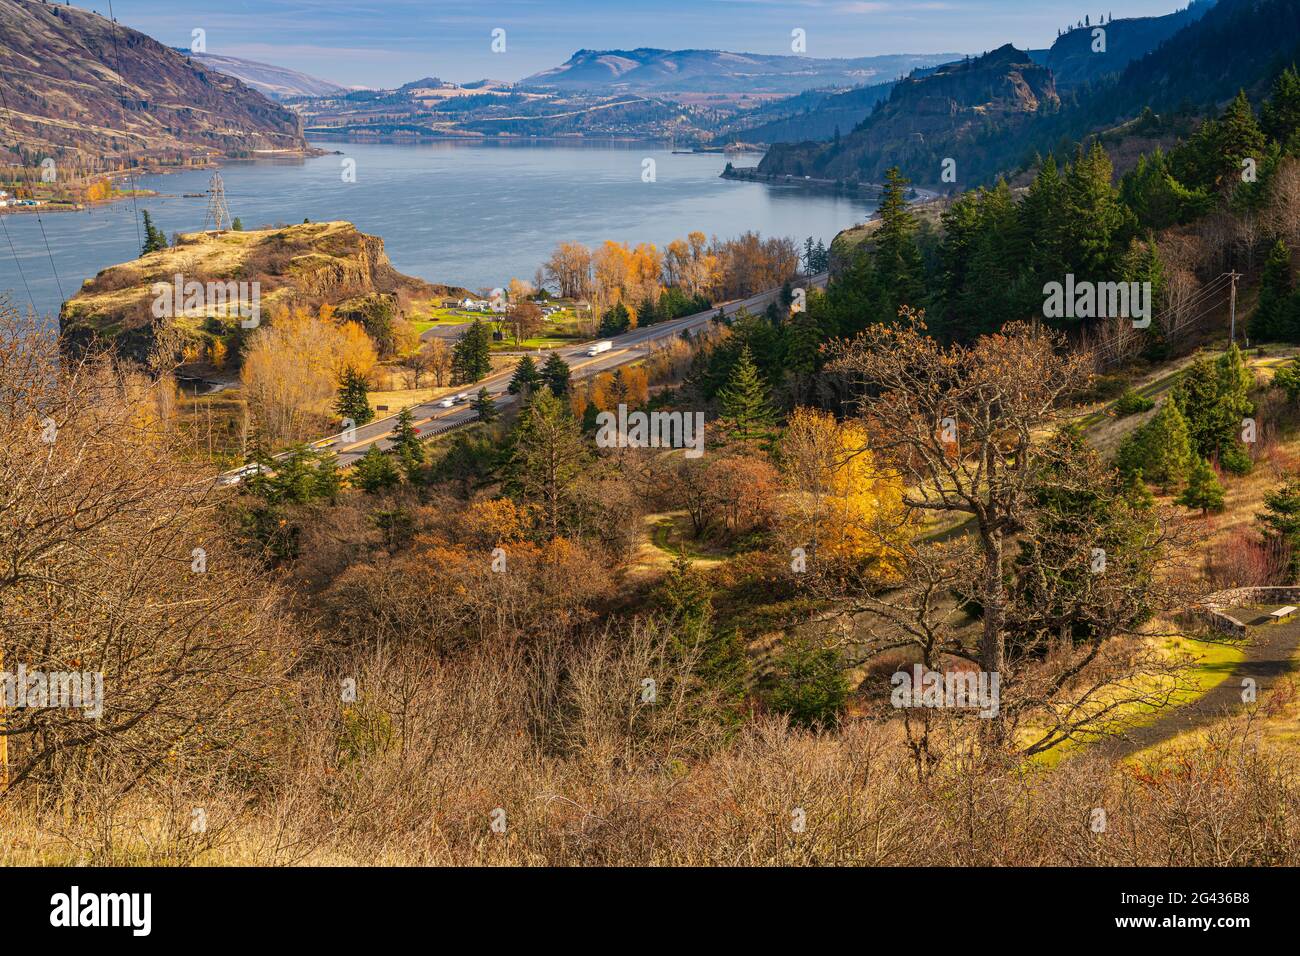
<point x="218" y="213"/>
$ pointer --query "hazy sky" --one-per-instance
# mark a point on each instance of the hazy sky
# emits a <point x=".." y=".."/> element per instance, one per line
<point x="385" y="43"/>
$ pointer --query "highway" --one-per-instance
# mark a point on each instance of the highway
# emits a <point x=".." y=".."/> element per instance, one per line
<point x="432" y="420"/>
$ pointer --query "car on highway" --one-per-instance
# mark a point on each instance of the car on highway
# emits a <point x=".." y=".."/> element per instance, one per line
<point x="236" y="477"/>
<point x="599" y="347"/>
<point x="447" y="402"/>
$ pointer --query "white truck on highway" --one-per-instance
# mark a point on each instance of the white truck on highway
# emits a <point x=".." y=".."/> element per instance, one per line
<point x="600" y="347"/>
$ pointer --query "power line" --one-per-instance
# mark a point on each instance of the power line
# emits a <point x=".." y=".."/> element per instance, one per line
<point x="121" y="99"/>
<point x="21" y="274"/>
<point x="4" y="101"/>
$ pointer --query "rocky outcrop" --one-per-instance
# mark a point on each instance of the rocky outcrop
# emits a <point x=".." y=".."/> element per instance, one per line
<point x="307" y="265"/>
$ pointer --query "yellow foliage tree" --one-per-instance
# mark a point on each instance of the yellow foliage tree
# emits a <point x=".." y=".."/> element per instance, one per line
<point x="841" y="509"/>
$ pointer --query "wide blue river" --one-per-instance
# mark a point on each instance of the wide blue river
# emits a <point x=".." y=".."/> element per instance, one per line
<point x="459" y="212"/>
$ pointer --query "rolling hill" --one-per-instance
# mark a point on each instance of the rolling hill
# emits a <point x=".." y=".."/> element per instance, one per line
<point x="648" y="70"/>
<point x="276" y="82"/>
<point x="75" y="83"/>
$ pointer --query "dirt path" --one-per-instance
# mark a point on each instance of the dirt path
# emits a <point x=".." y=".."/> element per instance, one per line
<point x="1270" y="654"/>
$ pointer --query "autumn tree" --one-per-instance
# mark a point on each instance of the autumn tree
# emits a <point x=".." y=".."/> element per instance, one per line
<point x="842" y="508"/>
<point x="523" y="319"/>
<point x="119" y="569"/>
<point x="292" y="367"/>
<point x="973" y="432"/>
<point x="436" y="356"/>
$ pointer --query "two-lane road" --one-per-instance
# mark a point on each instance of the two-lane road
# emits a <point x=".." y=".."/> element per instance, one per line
<point x="431" y="419"/>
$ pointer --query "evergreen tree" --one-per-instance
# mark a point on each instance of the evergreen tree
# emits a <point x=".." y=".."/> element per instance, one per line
<point x="744" y="401"/>
<point x="811" y="688"/>
<point x="1160" y="450"/>
<point x="154" y="240"/>
<point x="1281" y="521"/>
<point x="1157" y="199"/>
<point x="485" y="406"/>
<point x="1094" y="219"/>
<point x="616" y="320"/>
<point x="557" y="375"/>
<point x="472" y="354"/>
<point x="1042" y="217"/>
<point x="1214" y="396"/>
<point x="1280" y="116"/>
<point x="718" y="659"/>
<point x="526" y="380"/>
<point x="1203" y="490"/>
<point x="547" y="455"/>
<point x="407" y="447"/>
<point x="353" y="401"/>
<point x="1271" y="321"/>
<point x="898" y="266"/>
<point x="375" y="471"/>
<point x="237" y="225"/>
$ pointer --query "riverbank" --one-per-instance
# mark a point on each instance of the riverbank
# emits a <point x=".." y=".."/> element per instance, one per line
<point x="867" y="191"/>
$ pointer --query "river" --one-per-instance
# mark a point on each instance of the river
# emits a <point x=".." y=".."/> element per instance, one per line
<point x="455" y="211"/>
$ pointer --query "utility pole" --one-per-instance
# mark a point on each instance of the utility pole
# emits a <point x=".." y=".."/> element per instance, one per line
<point x="1232" y="333"/>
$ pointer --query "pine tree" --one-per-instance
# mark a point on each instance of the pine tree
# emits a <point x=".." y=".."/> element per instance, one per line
<point x="485" y="406"/>
<point x="744" y="401"/>
<point x="1280" y="116"/>
<point x="1094" y="220"/>
<point x="1270" y="323"/>
<point x="1281" y="521"/>
<point x="353" y="401"/>
<point x="1238" y="137"/>
<point x="616" y="320"/>
<point x="1214" y="397"/>
<point x="557" y="375"/>
<point x="406" y="444"/>
<point x="375" y="471"/>
<point x="811" y="687"/>
<point x="526" y="380"/>
<point x="1203" y="490"/>
<point x="899" y="268"/>
<point x="547" y="455"/>
<point x="154" y="240"/>
<point x="1160" y="450"/>
<point x="472" y="354"/>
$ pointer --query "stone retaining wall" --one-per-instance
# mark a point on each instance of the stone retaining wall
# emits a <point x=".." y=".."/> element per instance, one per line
<point x="1243" y="597"/>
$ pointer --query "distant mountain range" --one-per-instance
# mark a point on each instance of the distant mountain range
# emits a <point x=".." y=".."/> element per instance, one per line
<point x="648" y="70"/>
<point x="276" y="82"/>
<point x="79" y="85"/>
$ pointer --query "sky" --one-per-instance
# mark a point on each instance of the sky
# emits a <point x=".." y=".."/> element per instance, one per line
<point x="385" y="43"/>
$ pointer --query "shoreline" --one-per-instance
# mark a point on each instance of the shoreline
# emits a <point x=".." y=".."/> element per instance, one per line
<point x="125" y="176"/>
